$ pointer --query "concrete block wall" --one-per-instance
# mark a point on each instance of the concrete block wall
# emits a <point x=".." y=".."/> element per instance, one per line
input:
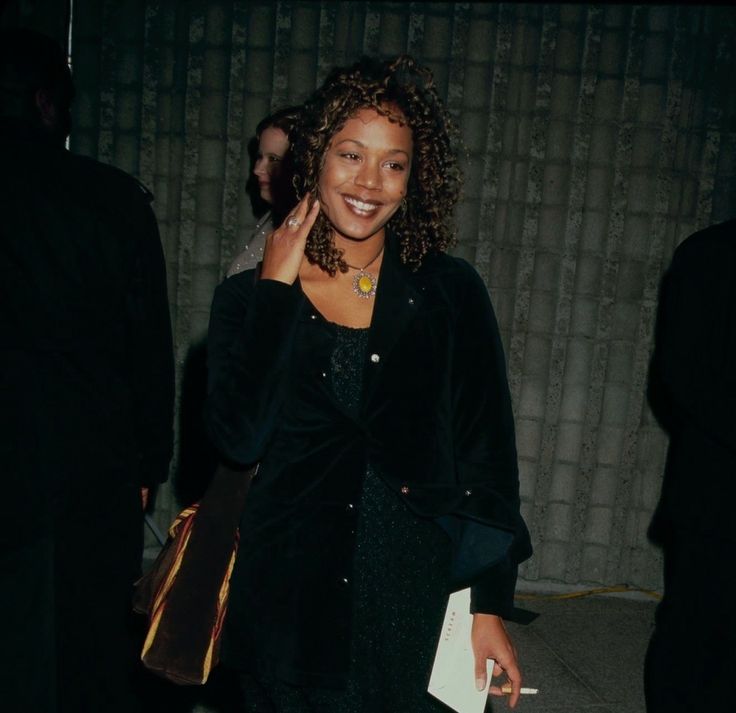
<point x="596" y="137"/>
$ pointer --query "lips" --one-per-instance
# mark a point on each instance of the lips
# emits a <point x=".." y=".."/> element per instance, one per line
<point x="361" y="208"/>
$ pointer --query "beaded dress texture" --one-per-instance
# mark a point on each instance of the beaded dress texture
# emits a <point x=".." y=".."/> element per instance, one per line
<point x="252" y="253"/>
<point x="399" y="586"/>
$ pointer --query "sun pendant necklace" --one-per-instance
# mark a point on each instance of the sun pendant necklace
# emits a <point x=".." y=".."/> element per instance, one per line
<point x="364" y="283"/>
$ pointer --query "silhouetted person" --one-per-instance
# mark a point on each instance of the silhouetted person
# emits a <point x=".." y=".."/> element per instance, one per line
<point x="692" y="654"/>
<point x="86" y="395"/>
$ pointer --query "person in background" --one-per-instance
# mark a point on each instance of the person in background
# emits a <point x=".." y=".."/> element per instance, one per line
<point x="86" y="396"/>
<point x="365" y="373"/>
<point x="273" y="172"/>
<point x="692" y="391"/>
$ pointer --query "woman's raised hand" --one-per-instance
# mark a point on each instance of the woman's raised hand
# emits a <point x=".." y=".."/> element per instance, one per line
<point x="284" y="250"/>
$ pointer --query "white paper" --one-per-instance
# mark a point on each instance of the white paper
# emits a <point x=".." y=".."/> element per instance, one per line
<point x="453" y="673"/>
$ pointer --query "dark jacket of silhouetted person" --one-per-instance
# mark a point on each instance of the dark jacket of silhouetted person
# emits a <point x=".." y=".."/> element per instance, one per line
<point x="692" y="654"/>
<point x="86" y="398"/>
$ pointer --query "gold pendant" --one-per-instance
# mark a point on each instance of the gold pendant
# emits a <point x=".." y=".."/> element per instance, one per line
<point x="364" y="284"/>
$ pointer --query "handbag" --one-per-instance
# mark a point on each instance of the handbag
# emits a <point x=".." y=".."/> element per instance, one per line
<point x="184" y="594"/>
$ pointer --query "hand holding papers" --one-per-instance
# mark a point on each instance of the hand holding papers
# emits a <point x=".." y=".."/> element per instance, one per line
<point x="453" y="674"/>
<point x="453" y="680"/>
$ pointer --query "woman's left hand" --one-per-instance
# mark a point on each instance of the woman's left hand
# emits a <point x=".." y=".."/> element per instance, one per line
<point x="490" y="640"/>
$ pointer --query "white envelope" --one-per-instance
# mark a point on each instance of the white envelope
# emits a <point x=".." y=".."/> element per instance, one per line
<point x="453" y="673"/>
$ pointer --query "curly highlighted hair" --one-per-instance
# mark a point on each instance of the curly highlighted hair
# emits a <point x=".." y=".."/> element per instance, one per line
<point x="404" y="92"/>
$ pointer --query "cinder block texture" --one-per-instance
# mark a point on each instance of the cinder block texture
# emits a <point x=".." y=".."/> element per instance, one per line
<point x="595" y="139"/>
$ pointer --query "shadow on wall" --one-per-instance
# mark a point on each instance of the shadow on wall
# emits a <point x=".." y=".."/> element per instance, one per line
<point x="657" y="397"/>
<point x="661" y="406"/>
<point x="197" y="457"/>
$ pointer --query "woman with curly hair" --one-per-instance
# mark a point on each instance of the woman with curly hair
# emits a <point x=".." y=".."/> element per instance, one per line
<point x="364" y="372"/>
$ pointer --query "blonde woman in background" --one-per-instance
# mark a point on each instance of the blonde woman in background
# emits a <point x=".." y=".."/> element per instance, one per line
<point x="273" y="172"/>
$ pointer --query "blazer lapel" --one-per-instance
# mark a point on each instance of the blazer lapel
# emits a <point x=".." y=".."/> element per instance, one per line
<point x="397" y="301"/>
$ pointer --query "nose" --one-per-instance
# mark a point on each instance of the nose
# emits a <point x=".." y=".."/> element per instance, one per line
<point x="369" y="175"/>
<point x="261" y="167"/>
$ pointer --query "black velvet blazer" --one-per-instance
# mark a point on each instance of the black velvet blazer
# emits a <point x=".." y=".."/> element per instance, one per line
<point x="435" y="419"/>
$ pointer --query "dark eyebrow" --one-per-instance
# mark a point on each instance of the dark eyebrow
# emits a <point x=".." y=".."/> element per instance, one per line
<point x="362" y="145"/>
<point x="352" y="141"/>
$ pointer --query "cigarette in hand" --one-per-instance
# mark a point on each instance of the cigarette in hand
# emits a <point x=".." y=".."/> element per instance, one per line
<point x="508" y="689"/>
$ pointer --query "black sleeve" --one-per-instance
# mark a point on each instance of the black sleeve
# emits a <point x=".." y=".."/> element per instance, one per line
<point x="250" y="339"/>
<point x="485" y="445"/>
<point x="493" y="592"/>
<point x="151" y="354"/>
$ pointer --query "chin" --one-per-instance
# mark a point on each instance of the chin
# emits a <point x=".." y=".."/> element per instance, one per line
<point x="358" y="234"/>
<point x="358" y="229"/>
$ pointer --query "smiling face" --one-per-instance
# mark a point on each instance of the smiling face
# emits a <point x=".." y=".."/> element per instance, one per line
<point x="272" y="146"/>
<point x="365" y="174"/>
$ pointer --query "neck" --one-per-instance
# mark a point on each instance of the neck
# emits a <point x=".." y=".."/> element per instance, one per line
<point x="359" y="252"/>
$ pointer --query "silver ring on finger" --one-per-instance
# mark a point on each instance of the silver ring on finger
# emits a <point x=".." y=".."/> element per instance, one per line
<point x="293" y="222"/>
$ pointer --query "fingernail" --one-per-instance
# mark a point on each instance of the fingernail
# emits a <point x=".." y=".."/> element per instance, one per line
<point x="480" y="684"/>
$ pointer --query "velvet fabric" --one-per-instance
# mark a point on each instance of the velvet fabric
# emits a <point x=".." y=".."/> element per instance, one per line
<point x="435" y="422"/>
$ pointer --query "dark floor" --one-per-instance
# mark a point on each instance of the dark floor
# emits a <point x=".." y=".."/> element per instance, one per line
<point x="585" y="655"/>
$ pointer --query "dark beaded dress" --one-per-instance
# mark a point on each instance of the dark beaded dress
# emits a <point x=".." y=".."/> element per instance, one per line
<point x="399" y="590"/>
